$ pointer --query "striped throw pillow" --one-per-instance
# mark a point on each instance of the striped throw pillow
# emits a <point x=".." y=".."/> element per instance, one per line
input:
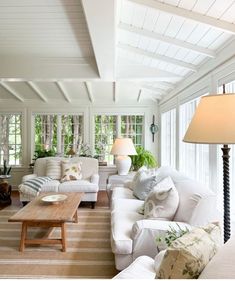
<point x="53" y="169"/>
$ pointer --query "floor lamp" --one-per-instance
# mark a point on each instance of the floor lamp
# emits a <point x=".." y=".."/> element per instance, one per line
<point x="214" y="123"/>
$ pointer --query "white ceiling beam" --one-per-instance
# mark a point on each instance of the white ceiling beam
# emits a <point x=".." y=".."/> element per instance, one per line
<point x="12" y="91"/>
<point x="88" y="87"/>
<point x="63" y="91"/>
<point x="36" y="89"/>
<point x="101" y="20"/>
<point x="139" y="95"/>
<point x="158" y="57"/>
<point x="189" y="15"/>
<point x="167" y="39"/>
<point x="133" y="72"/>
<point x="149" y="93"/>
<point x="165" y="85"/>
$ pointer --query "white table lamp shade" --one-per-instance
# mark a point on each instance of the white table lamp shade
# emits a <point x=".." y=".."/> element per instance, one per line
<point x="213" y="121"/>
<point x="123" y="147"/>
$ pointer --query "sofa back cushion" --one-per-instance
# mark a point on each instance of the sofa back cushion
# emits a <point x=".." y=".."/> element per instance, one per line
<point x="190" y="193"/>
<point x="53" y="169"/>
<point x="89" y="165"/>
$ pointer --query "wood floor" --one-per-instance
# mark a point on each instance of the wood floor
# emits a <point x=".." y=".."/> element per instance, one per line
<point x="102" y="201"/>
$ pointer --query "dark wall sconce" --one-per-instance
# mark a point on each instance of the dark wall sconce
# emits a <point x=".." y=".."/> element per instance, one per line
<point x="153" y="128"/>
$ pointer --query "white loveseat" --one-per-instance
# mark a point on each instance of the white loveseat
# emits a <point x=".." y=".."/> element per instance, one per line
<point x="133" y="236"/>
<point x="221" y="266"/>
<point x="88" y="184"/>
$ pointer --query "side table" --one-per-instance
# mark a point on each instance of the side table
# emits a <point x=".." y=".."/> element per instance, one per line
<point x="5" y="190"/>
<point x="117" y="180"/>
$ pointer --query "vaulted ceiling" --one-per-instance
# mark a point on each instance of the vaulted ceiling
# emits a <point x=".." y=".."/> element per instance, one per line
<point x="107" y="50"/>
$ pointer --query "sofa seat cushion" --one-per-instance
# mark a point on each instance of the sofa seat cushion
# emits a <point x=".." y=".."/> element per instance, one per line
<point x="121" y="228"/>
<point x="141" y="268"/>
<point x="50" y="186"/>
<point x="78" y="186"/>
<point x="127" y="205"/>
<point x="122" y="192"/>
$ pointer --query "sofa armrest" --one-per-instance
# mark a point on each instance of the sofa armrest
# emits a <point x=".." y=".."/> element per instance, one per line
<point x="141" y="268"/>
<point x="28" y="177"/>
<point x="145" y="232"/>
<point x="95" y="179"/>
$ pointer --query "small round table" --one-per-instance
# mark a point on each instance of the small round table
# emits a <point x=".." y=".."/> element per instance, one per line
<point x="5" y="190"/>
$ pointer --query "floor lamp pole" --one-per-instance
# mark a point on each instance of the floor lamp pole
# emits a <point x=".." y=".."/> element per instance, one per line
<point x="226" y="190"/>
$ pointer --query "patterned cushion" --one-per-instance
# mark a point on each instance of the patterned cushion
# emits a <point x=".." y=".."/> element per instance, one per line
<point x="188" y="255"/>
<point x="53" y="169"/>
<point x="162" y="202"/>
<point x="71" y="171"/>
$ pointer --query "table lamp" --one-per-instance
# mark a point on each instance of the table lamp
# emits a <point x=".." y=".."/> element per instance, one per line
<point x="214" y="123"/>
<point x="123" y="147"/>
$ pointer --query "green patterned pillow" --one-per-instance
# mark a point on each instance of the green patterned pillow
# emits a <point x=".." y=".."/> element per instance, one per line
<point x="71" y="171"/>
<point x="188" y="255"/>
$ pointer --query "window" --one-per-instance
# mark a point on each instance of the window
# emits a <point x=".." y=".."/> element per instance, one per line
<point x="132" y="127"/>
<point x="168" y="138"/>
<point x="11" y="139"/>
<point x="109" y="127"/>
<point x="58" y="132"/>
<point x="105" y="134"/>
<point x="193" y="158"/>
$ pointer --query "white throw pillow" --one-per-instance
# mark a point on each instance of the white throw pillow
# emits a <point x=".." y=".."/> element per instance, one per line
<point x="144" y="184"/>
<point x="71" y="171"/>
<point x="162" y="202"/>
<point x="53" y="169"/>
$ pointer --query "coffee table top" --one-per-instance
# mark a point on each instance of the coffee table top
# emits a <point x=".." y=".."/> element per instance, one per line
<point x="39" y="211"/>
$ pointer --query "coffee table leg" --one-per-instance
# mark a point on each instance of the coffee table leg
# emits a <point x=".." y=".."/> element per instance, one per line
<point x="76" y="217"/>
<point x="63" y="237"/>
<point x="23" y="236"/>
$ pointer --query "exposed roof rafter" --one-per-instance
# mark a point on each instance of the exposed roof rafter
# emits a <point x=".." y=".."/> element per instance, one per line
<point x="150" y="88"/>
<point x="167" y="39"/>
<point x="151" y="55"/>
<point x="63" y="91"/>
<point x="115" y="97"/>
<point x="89" y="91"/>
<point x="36" y="89"/>
<point x="12" y="91"/>
<point x="200" y="18"/>
<point x="139" y="95"/>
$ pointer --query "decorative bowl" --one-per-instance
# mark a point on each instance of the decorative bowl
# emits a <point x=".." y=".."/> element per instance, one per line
<point x="54" y="199"/>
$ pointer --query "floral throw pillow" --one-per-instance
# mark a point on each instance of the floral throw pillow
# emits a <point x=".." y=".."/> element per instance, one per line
<point x="162" y="202"/>
<point x="71" y="171"/>
<point x="188" y="255"/>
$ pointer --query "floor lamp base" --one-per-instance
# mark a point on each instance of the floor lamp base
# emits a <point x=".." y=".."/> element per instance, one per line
<point x="226" y="190"/>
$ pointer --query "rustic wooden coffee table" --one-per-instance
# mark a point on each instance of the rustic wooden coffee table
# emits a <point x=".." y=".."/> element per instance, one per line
<point x="41" y="214"/>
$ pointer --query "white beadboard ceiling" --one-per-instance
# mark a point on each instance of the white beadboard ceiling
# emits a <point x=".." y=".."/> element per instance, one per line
<point x="77" y="51"/>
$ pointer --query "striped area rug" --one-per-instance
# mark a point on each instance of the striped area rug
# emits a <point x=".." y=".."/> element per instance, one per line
<point x="88" y="249"/>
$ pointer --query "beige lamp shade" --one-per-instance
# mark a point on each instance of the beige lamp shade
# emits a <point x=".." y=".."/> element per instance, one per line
<point x="123" y="146"/>
<point x="213" y="121"/>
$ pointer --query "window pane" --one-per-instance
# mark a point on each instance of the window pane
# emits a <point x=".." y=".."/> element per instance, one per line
<point x="168" y="138"/>
<point x="10" y="137"/>
<point x="193" y="158"/>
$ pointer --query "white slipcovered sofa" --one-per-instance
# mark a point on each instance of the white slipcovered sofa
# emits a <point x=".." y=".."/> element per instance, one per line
<point x="221" y="266"/>
<point x="88" y="184"/>
<point x="133" y="236"/>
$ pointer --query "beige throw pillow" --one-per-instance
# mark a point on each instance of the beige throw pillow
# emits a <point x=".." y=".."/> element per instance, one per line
<point x="162" y="202"/>
<point x="71" y="171"/>
<point x="53" y="169"/>
<point x="188" y="255"/>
